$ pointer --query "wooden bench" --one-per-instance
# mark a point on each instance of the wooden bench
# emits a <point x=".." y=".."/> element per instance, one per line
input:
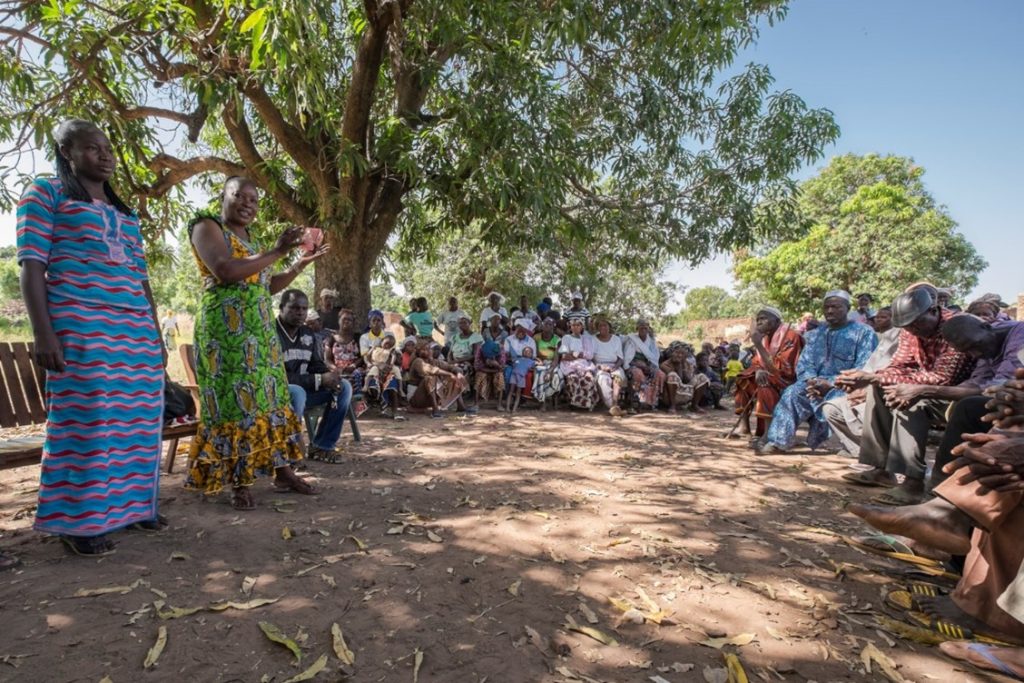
<point x="23" y="403"/>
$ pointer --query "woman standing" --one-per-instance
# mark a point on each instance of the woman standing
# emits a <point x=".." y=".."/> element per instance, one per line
<point x="246" y="424"/>
<point x="84" y="279"/>
<point x="608" y="358"/>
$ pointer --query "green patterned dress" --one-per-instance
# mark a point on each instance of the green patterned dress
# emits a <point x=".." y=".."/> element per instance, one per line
<point x="246" y="422"/>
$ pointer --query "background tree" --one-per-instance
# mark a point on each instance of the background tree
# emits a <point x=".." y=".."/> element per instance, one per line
<point x="407" y="121"/>
<point x="869" y="224"/>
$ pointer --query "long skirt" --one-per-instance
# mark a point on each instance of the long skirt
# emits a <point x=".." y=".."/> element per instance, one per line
<point x="490" y="385"/>
<point x="445" y="390"/>
<point x="101" y="459"/>
<point x="547" y="381"/>
<point x="609" y="384"/>
<point x="648" y="389"/>
<point x="382" y="389"/>
<point x="580" y="383"/>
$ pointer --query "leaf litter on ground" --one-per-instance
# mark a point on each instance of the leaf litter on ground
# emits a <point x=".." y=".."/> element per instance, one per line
<point x="157" y="649"/>
<point x="275" y="635"/>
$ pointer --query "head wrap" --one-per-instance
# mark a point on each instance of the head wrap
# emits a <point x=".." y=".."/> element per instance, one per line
<point x="465" y="316"/>
<point x="525" y="323"/>
<point x="543" y="308"/>
<point x="312" y="315"/>
<point x="837" y="294"/>
<point x="408" y="340"/>
<point x="771" y="310"/>
<point x="329" y="292"/>
<point x="577" y="295"/>
<point x="389" y="333"/>
<point x="375" y="312"/>
<point x="490" y="349"/>
<point x="501" y="297"/>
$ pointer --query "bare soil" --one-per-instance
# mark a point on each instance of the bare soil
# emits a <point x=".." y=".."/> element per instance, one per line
<point x="473" y="546"/>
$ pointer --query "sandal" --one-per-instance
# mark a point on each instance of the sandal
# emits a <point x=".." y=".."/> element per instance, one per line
<point x="295" y="485"/>
<point x="8" y="562"/>
<point x="867" y="478"/>
<point x="89" y="546"/>
<point x="151" y="525"/>
<point x="952" y="630"/>
<point x="897" y="498"/>
<point x="986" y="653"/>
<point x="891" y="547"/>
<point x="241" y="500"/>
<point x="331" y="457"/>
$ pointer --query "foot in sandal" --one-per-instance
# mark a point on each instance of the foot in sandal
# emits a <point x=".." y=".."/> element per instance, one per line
<point x="89" y="546"/>
<point x="1004" y="660"/>
<point x="937" y="523"/>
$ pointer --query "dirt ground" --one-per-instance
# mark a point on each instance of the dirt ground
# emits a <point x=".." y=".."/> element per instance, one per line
<point x="467" y="549"/>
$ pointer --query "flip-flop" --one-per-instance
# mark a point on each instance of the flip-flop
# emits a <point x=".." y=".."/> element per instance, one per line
<point x="986" y="653"/>
<point x="944" y="572"/>
<point x="242" y="504"/>
<point x="898" y="550"/>
<point x="863" y="479"/>
<point x="330" y="457"/>
<point x="897" y="498"/>
<point x="89" y="546"/>
<point x="952" y="630"/>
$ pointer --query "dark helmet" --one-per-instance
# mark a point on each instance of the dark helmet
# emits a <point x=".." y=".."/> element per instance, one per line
<point x="911" y="305"/>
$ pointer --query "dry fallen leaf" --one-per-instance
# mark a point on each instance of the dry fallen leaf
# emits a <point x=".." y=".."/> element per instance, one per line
<point x="599" y="636"/>
<point x="174" y="612"/>
<point x="176" y="555"/>
<point x="870" y="653"/>
<point x="248" y="583"/>
<point x="417" y="663"/>
<point x="275" y="635"/>
<point x="434" y="537"/>
<point x="514" y="588"/>
<point x="341" y="648"/>
<point x="740" y="640"/>
<point x="774" y="634"/>
<point x="157" y="649"/>
<point x="251" y="604"/>
<point x="329" y="580"/>
<point x="735" y="669"/>
<point x="311" y="672"/>
<point x="479" y="561"/>
<point x="716" y="674"/>
<point x="93" y="592"/>
<point x="588" y="613"/>
<point x="286" y="533"/>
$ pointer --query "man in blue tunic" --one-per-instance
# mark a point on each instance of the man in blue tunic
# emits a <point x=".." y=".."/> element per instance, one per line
<point x="840" y="344"/>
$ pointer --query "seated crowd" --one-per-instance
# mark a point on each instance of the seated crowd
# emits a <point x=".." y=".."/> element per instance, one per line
<point x="501" y="357"/>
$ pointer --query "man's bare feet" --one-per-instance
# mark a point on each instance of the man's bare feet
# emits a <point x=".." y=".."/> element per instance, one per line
<point x="936" y="523"/>
<point x="1006" y="660"/>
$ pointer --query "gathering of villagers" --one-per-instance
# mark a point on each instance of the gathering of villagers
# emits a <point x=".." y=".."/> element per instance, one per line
<point x="880" y="387"/>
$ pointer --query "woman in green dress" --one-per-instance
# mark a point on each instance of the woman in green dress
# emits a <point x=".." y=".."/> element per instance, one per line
<point x="246" y="422"/>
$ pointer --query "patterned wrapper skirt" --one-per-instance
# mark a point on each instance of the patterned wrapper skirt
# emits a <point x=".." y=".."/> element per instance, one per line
<point x="101" y="460"/>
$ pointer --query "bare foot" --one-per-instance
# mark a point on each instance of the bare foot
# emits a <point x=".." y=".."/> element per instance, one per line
<point x="936" y="523"/>
<point x="1007" y="660"/>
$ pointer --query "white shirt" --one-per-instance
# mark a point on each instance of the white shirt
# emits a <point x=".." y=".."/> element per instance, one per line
<point x="514" y="346"/>
<point x="607" y="352"/>
<point x="488" y="313"/>
<point x="449" y="320"/>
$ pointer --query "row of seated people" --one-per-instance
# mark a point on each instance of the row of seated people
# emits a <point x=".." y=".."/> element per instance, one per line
<point x="880" y="395"/>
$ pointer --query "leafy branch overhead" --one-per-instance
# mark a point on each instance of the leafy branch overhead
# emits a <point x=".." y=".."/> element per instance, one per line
<point x="531" y="122"/>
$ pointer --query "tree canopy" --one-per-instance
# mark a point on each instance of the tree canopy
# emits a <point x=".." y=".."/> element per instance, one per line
<point x="407" y="122"/>
<point x="868" y="224"/>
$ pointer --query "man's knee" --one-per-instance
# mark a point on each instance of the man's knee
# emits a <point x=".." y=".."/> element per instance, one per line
<point x="297" y="397"/>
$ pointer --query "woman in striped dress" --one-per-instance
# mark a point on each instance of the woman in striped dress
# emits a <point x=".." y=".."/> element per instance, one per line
<point x="83" y="276"/>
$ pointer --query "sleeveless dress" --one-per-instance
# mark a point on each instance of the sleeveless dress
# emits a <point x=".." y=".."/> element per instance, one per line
<point x="246" y="423"/>
<point x="101" y="459"/>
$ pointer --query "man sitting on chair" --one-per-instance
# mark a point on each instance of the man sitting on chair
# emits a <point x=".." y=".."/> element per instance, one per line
<point x="310" y="382"/>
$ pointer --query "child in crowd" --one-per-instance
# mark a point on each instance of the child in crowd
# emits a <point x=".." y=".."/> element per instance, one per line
<point x="384" y="374"/>
<point x="419" y="322"/>
<point x="520" y="369"/>
<point x="732" y="368"/>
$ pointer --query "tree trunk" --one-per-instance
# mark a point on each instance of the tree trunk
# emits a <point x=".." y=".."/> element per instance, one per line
<point x="347" y="268"/>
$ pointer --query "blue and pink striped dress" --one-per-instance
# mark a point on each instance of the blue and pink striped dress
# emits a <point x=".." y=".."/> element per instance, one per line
<point x="101" y="460"/>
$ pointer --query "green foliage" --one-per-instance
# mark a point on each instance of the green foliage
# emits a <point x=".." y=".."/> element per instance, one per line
<point x="712" y="303"/>
<point x="10" y="279"/>
<point x="174" y="277"/>
<point x="873" y="227"/>
<point x="557" y="122"/>
<point x="469" y="268"/>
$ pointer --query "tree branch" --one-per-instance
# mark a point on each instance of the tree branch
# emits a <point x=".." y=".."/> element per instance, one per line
<point x="255" y="166"/>
<point x="171" y="171"/>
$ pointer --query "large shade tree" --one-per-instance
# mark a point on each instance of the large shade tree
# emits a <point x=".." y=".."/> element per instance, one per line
<point x="408" y="121"/>
<point x="867" y="224"/>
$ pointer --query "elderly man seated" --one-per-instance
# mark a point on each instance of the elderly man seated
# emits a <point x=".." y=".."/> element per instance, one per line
<point x="845" y="412"/>
<point x="837" y="345"/>
<point x="310" y="381"/>
<point x="898" y="410"/>
<point x="772" y="368"/>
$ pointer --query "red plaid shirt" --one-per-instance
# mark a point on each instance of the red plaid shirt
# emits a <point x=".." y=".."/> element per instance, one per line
<point x="926" y="361"/>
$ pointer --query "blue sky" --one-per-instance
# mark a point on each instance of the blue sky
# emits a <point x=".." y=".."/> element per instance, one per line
<point x="936" y="80"/>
